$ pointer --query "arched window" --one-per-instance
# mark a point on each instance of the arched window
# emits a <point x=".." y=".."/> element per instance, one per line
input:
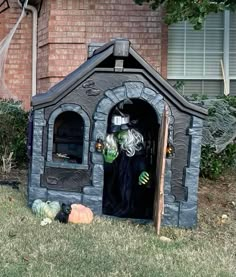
<point x="68" y="138"/>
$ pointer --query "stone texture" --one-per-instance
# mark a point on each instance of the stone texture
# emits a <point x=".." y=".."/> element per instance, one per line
<point x="120" y="93"/>
<point x="92" y="148"/>
<point x="64" y="197"/>
<point x="37" y="140"/>
<point x="39" y="122"/>
<point x="104" y="105"/>
<point x="167" y="179"/>
<point x="98" y="175"/>
<point x="35" y="180"/>
<point x="134" y="89"/>
<point x="94" y="203"/>
<point x="91" y="190"/>
<point x="86" y="133"/>
<point x="99" y="116"/>
<point x="171" y="214"/>
<point x="157" y="99"/>
<point x="54" y="115"/>
<point x="36" y="193"/>
<point x="86" y="119"/>
<point x="37" y="165"/>
<point x="195" y="151"/>
<point x="121" y="48"/>
<point x="195" y="132"/>
<point x="39" y="113"/>
<point x="71" y="107"/>
<point x="191" y="182"/>
<point x="66" y="165"/>
<point x="85" y="153"/>
<point x="148" y="94"/>
<point x="188" y="215"/>
<point x="100" y="128"/>
<point x="159" y="107"/>
<point x="97" y="158"/>
<point x="169" y="198"/>
<point x="110" y="94"/>
<point x="197" y="122"/>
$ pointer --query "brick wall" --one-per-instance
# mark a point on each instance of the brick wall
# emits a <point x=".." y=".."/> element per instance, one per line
<point x="18" y="63"/>
<point x="71" y="25"/>
<point x="66" y="27"/>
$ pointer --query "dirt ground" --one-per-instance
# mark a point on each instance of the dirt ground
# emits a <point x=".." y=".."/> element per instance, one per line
<point x="216" y="202"/>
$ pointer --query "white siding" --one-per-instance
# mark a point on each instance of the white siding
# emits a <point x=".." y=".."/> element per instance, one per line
<point x="195" y="56"/>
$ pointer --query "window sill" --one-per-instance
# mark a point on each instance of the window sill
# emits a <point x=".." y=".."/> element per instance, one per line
<point x="67" y="165"/>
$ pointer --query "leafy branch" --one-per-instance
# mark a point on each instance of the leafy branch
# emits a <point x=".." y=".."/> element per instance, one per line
<point x="193" y="11"/>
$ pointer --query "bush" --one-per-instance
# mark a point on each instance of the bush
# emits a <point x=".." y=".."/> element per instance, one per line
<point x="213" y="164"/>
<point x="13" y="131"/>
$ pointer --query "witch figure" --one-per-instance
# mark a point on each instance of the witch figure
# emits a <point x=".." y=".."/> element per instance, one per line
<point x="126" y="179"/>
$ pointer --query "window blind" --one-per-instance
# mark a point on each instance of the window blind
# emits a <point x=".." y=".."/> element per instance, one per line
<point x="196" y="54"/>
<point x="232" y="45"/>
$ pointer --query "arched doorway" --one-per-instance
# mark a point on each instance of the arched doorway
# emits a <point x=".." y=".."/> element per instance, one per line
<point x="123" y="196"/>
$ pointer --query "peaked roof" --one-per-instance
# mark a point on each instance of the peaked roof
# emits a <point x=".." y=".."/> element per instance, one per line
<point x="119" y="48"/>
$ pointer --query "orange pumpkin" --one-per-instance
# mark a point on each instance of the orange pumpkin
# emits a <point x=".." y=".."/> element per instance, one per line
<point x="80" y="214"/>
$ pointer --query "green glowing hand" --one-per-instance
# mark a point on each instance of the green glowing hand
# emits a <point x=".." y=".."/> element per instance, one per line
<point x="143" y="178"/>
<point x="110" y="154"/>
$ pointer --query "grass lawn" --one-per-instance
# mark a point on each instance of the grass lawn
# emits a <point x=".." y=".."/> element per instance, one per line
<point x="110" y="247"/>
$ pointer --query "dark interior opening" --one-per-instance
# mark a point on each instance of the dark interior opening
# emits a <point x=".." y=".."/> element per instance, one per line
<point x="68" y="138"/>
<point x="122" y="194"/>
<point x="129" y="62"/>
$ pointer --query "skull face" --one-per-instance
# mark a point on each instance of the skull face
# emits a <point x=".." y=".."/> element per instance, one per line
<point x="121" y="136"/>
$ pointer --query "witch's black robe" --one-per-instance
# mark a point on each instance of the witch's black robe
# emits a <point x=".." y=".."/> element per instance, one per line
<point x="123" y="196"/>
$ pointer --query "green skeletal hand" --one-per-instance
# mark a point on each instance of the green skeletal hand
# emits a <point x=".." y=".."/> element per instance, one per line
<point x="110" y="154"/>
<point x="143" y="178"/>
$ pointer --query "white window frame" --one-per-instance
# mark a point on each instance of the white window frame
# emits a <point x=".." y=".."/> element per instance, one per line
<point x="226" y="57"/>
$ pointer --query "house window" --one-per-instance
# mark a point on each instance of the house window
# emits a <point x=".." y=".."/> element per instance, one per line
<point x="68" y="138"/>
<point x="200" y="59"/>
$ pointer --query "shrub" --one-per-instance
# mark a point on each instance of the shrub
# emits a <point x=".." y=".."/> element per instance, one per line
<point x="214" y="164"/>
<point x="13" y="131"/>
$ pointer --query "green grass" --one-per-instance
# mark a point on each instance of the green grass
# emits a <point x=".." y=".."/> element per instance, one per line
<point x="107" y="247"/>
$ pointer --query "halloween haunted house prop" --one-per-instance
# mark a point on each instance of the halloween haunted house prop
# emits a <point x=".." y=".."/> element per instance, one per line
<point x="73" y="117"/>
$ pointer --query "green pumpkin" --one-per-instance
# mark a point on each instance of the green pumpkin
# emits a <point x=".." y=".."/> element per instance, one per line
<point x="48" y="209"/>
<point x="51" y="209"/>
<point x="36" y="206"/>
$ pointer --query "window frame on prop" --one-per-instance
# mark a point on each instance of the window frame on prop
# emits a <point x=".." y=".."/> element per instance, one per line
<point x="203" y="62"/>
<point x="50" y="137"/>
<point x="66" y="141"/>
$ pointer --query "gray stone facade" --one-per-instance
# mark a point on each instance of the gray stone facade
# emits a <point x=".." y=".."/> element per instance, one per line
<point x="182" y="214"/>
<point x="93" y="97"/>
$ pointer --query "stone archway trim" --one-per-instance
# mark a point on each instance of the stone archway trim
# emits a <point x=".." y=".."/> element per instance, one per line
<point x="111" y="98"/>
